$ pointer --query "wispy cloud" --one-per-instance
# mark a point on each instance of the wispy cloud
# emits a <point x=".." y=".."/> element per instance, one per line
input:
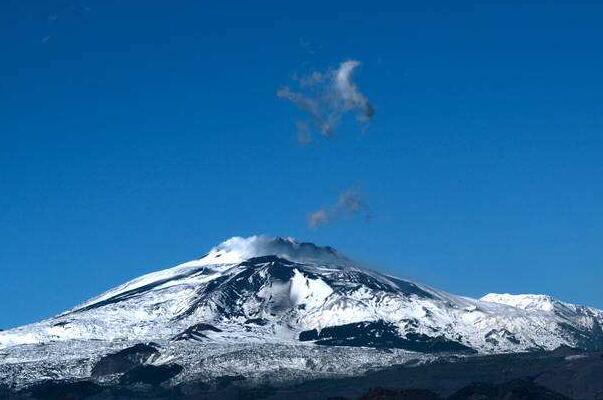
<point x="325" y="97"/>
<point x="347" y="91"/>
<point x="304" y="135"/>
<point x="62" y="16"/>
<point x="318" y="218"/>
<point x="308" y="46"/>
<point x="349" y="203"/>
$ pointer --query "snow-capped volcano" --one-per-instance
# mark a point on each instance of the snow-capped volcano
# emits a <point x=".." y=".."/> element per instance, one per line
<point x="274" y="289"/>
<point x="273" y="309"/>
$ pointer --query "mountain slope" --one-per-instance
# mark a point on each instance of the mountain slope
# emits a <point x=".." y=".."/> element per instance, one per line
<point x="274" y="289"/>
<point x="277" y="292"/>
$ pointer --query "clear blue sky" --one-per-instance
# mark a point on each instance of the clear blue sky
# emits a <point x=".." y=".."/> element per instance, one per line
<point x="135" y="135"/>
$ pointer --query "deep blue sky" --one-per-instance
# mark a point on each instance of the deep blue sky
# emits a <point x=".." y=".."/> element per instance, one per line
<point x="135" y="135"/>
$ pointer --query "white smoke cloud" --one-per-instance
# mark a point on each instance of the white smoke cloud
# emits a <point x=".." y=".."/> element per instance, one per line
<point x="327" y="97"/>
<point x="349" y="203"/>
<point x="349" y="94"/>
<point x="239" y="249"/>
<point x="318" y="218"/>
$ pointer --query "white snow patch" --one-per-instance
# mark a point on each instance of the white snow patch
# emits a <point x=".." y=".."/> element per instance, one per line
<point x="312" y="292"/>
<point x="523" y="301"/>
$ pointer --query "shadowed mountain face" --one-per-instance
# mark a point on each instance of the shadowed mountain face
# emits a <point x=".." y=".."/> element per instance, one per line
<point x="521" y="389"/>
<point x="256" y="307"/>
<point x="380" y="334"/>
<point x="514" y="390"/>
<point x="399" y="394"/>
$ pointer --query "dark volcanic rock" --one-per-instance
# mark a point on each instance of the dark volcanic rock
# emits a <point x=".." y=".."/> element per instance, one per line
<point x="404" y="394"/>
<point x="223" y="381"/>
<point x="4" y="392"/>
<point x="150" y="374"/>
<point x="522" y="389"/>
<point x="380" y="334"/>
<point x="124" y="360"/>
<point x="61" y="390"/>
<point x="257" y="321"/>
<point x="195" y="332"/>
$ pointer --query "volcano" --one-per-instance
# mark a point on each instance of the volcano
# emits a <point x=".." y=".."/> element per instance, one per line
<point x="253" y="306"/>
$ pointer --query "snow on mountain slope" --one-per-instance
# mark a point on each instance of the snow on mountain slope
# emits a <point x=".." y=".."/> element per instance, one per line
<point x="279" y="292"/>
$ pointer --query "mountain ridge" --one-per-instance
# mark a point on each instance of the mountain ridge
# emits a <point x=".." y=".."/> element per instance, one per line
<point x="276" y="294"/>
<point x="278" y="276"/>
